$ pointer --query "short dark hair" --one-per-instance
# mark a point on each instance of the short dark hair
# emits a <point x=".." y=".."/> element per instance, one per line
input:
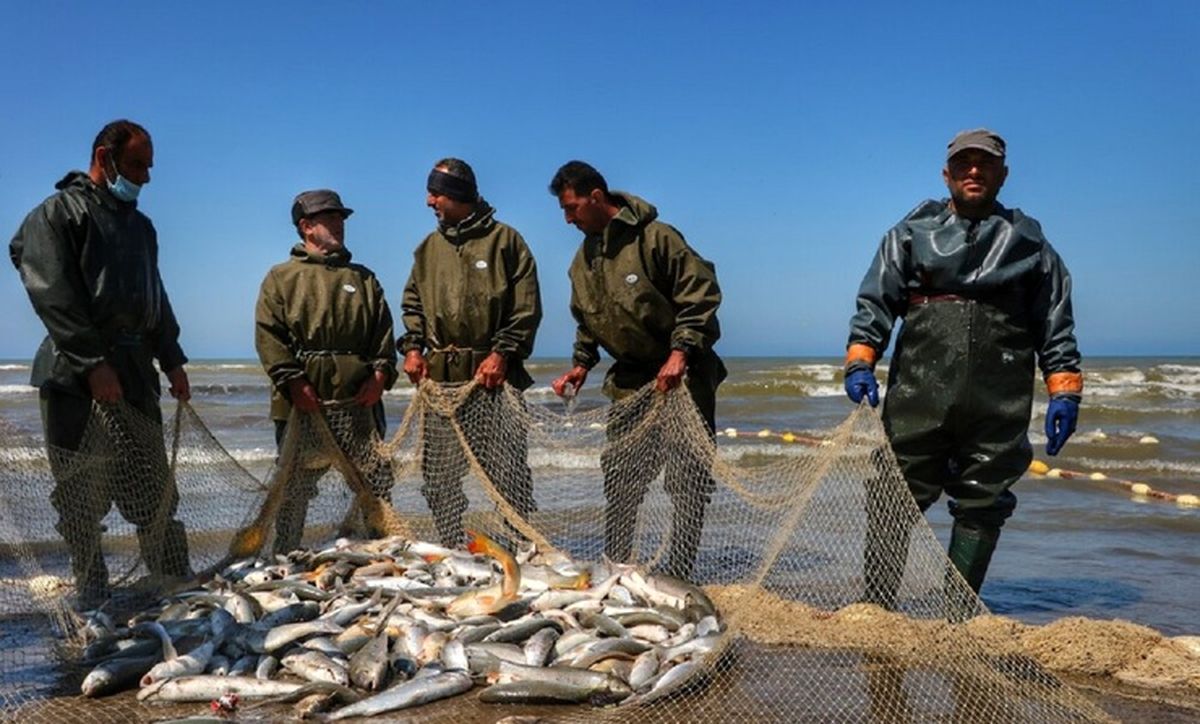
<point x="115" y="135"/>
<point x="578" y="176"/>
<point x="457" y="168"/>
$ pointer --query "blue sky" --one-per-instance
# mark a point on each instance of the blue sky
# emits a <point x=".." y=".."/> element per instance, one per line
<point x="781" y="139"/>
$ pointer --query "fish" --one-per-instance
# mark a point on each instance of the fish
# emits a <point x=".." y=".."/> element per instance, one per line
<point x="645" y="667"/>
<point x="267" y="666"/>
<point x="116" y="675"/>
<point x="369" y="667"/>
<point x="206" y="688"/>
<point x="673" y="680"/>
<point x="535" y="692"/>
<point x="493" y="598"/>
<point x="537" y="649"/>
<point x="521" y="630"/>
<point x="596" y="683"/>
<point x="315" y="666"/>
<point x="409" y="693"/>
<point x="191" y="663"/>
<point x="281" y="636"/>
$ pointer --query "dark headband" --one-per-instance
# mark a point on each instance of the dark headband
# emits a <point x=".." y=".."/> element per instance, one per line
<point x="441" y="183"/>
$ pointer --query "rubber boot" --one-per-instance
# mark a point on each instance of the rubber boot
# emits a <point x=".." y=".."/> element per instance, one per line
<point x="175" y="560"/>
<point x="87" y="566"/>
<point x="885" y="556"/>
<point x="687" y="524"/>
<point x="885" y="544"/>
<point x="289" y="525"/>
<point x="971" y="548"/>
<point x="165" y="553"/>
<point x="620" y="520"/>
<point x="448" y="502"/>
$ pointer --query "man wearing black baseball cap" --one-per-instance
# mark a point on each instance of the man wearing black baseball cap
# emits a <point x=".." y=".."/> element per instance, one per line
<point x="323" y="332"/>
<point x="984" y="297"/>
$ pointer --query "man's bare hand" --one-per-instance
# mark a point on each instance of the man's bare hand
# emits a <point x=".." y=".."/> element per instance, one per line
<point x="492" y="370"/>
<point x="371" y="390"/>
<point x="103" y="382"/>
<point x="304" y="397"/>
<point x="181" y="389"/>
<point x="415" y="366"/>
<point x="672" y="371"/>
<point x="573" y="379"/>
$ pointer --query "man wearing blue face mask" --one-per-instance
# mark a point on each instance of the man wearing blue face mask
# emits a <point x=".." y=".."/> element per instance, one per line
<point x="89" y="261"/>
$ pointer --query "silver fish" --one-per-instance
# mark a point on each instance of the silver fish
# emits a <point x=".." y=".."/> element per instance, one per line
<point x="410" y="693"/>
<point x="207" y="688"/>
<point x="369" y="666"/>
<point x="454" y="656"/>
<point x="645" y="666"/>
<point x="267" y="666"/>
<point x="537" y="649"/>
<point x="316" y="666"/>
<point x="191" y="663"/>
<point x="117" y="675"/>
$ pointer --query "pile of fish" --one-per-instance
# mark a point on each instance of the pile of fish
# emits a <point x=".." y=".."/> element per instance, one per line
<point x="368" y="627"/>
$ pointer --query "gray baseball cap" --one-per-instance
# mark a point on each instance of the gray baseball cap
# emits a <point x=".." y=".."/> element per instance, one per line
<point x="980" y="138"/>
<point x="308" y="203"/>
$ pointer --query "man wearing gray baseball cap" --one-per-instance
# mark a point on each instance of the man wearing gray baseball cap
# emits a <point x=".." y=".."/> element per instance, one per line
<point x="323" y="332"/>
<point x="984" y="297"/>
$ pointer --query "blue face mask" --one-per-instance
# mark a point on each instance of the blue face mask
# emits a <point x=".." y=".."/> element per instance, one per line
<point x="123" y="188"/>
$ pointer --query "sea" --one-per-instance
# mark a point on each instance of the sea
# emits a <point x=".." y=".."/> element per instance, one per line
<point x="1076" y="546"/>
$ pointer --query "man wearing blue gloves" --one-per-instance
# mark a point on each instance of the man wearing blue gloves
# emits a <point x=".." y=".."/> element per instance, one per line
<point x="983" y="296"/>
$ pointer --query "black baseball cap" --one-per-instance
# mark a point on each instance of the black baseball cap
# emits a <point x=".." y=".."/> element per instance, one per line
<point x="308" y="203"/>
<point x="980" y="138"/>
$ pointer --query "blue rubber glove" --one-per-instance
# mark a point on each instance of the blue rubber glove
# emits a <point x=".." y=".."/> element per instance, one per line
<point x="1061" y="418"/>
<point x="861" y="383"/>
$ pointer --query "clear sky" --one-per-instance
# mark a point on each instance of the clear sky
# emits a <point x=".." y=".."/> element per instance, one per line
<point x="782" y="139"/>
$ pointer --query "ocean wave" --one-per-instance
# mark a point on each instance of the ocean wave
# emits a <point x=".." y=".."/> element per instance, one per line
<point x="244" y="366"/>
<point x="799" y="387"/>
<point x="815" y="372"/>
<point x="231" y="388"/>
<point x="11" y="367"/>
<point x="17" y="390"/>
<point x="1152" y="465"/>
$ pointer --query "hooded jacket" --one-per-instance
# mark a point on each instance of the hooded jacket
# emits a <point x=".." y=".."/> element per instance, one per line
<point x="639" y="291"/>
<point x="90" y="265"/>
<point x="324" y="318"/>
<point x="1002" y="263"/>
<point x="473" y="290"/>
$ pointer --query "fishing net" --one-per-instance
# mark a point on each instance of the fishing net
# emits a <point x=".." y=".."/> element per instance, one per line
<point x="838" y="602"/>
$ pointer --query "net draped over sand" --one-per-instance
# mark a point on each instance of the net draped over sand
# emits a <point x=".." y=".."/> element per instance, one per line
<point x="782" y="550"/>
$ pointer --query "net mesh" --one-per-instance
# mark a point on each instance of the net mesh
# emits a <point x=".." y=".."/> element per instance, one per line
<point x="837" y="601"/>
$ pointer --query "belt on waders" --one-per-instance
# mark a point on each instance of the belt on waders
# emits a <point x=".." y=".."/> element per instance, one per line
<point x="304" y="354"/>
<point x="914" y="299"/>
<point x="451" y="351"/>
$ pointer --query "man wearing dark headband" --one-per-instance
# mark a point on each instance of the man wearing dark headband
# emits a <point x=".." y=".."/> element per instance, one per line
<point x="643" y="294"/>
<point x="471" y="310"/>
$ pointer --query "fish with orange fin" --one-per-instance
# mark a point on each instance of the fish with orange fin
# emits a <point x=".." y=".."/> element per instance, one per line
<point x="492" y="599"/>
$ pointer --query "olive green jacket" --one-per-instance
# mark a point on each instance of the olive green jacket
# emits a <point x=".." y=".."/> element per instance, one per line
<point x="639" y="291"/>
<point x="473" y="290"/>
<point x="90" y="265"/>
<point x="323" y="318"/>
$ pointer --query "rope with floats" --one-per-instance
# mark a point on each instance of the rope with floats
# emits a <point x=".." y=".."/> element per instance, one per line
<point x="1140" y="492"/>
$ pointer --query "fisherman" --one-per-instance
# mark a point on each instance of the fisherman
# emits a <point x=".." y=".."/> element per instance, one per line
<point x="89" y="260"/>
<point x="643" y="294"/>
<point x="472" y="307"/>
<point x="983" y="295"/>
<point x="324" y="334"/>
